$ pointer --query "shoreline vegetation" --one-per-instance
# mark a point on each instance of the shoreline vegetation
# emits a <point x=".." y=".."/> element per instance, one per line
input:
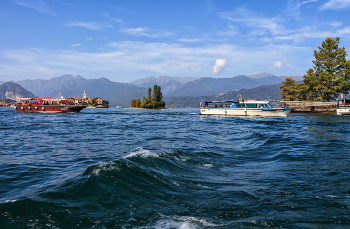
<point x="152" y="101"/>
<point x="329" y="77"/>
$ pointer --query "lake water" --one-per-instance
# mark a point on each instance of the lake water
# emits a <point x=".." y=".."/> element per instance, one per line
<point x="126" y="168"/>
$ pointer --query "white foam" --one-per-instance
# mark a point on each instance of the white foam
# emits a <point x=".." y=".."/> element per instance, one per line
<point x="104" y="166"/>
<point x="184" y="223"/>
<point x="142" y="152"/>
<point x="8" y="201"/>
<point x="167" y="224"/>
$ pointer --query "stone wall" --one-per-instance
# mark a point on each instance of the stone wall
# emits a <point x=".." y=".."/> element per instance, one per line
<point x="310" y="107"/>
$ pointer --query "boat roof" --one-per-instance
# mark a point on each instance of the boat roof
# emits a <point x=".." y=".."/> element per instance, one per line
<point x="226" y="101"/>
<point x="232" y="101"/>
<point x="49" y="99"/>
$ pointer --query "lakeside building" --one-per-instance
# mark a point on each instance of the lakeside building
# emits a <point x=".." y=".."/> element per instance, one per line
<point x="86" y="100"/>
<point x="6" y="104"/>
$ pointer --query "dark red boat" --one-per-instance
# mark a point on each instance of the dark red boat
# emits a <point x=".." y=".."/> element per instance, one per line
<point x="47" y="105"/>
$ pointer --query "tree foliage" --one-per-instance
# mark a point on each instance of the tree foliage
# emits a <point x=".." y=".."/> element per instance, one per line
<point x="329" y="76"/>
<point x="152" y="101"/>
<point x="105" y="103"/>
<point x="290" y="90"/>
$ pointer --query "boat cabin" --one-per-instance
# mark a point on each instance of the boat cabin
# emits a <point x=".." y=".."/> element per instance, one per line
<point x="237" y="104"/>
<point x="344" y="103"/>
<point x="43" y="102"/>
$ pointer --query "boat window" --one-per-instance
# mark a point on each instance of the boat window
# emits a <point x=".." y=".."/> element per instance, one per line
<point x="240" y="105"/>
<point x="54" y="103"/>
<point x="45" y="102"/>
<point x="261" y="105"/>
<point x="63" y="103"/>
<point x="251" y="105"/>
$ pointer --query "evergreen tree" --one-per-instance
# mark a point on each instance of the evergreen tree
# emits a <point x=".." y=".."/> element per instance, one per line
<point x="144" y="102"/>
<point x="133" y="103"/>
<point x="105" y="103"/>
<point x="159" y="94"/>
<point x="149" y="94"/>
<point x="330" y="76"/>
<point x="310" y="90"/>
<point x="289" y="90"/>
<point x="155" y="93"/>
<point x="138" y="103"/>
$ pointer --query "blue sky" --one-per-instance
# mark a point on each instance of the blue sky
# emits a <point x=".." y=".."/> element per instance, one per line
<point x="128" y="40"/>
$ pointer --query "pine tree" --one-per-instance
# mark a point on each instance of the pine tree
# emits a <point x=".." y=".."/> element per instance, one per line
<point x="133" y="103"/>
<point x="155" y="93"/>
<point x="330" y="76"/>
<point x="138" y="103"/>
<point x="144" y="102"/>
<point x="289" y="90"/>
<point x="149" y="94"/>
<point x="159" y="94"/>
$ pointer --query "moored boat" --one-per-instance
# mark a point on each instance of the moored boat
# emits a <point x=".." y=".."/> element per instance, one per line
<point x="46" y="105"/>
<point x="343" y="107"/>
<point x="242" y="108"/>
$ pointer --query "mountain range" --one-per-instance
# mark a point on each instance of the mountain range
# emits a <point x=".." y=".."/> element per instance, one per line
<point x="120" y="94"/>
<point x="11" y="90"/>
<point x="266" y="92"/>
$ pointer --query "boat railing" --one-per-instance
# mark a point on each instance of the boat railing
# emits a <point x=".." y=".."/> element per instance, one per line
<point x="344" y="105"/>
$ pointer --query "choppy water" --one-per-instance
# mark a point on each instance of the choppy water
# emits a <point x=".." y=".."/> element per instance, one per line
<point x="122" y="168"/>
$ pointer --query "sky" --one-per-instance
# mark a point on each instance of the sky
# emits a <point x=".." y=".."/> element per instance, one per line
<point x="126" y="40"/>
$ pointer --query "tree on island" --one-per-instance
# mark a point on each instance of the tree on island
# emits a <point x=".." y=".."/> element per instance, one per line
<point x="329" y="77"/>
<point x="290" y="90"/>
<point x="152" y="101"/>
<point x="105" y="103"/>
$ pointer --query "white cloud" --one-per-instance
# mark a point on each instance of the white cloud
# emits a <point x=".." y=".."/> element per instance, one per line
<point x="112" y="18"/>
<point x="76" y="45"/>
<point x="146" y="32"/>
<point x="336" y="23"/>
<point x="189" y="40"/>
<point x="308" y="1"/>
<point x="88" y="25"/>
<point x="205" y="65"/>
<point x="219" y="66"/>
<point x="253" y="20"/>
<point x="137" y="59"/>
<point x="36" y="5"/>
<point x="280" y="63"/>
<point x="192" y="68"/>
<point x="89" y="38"/>
<point x="335" y="5"/>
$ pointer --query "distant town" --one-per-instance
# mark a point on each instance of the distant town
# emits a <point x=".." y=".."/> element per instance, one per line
<point x="92" y="102"/>
<point x="89" y="102"/>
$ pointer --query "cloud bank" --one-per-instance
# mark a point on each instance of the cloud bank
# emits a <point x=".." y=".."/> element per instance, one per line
<point x="335" y="5"/>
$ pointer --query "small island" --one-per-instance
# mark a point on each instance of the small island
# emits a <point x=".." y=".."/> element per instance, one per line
<point x="323" y="84"/>
<point x="151" y="102"/>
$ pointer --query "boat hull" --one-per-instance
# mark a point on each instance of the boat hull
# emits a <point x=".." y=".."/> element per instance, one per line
<point x="50" y="109"/>
<point x="246" y="111"/>
<point x="343" y="111"/>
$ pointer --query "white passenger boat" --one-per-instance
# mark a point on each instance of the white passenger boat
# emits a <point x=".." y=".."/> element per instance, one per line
<point x="343" y="107"/>
<point x="242" y="108"/>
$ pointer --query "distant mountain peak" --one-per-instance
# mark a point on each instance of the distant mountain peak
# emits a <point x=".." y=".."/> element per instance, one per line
<point x="162" y="80"/>
<point x="261" y="75"/>
<point x="11" y="90"/>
